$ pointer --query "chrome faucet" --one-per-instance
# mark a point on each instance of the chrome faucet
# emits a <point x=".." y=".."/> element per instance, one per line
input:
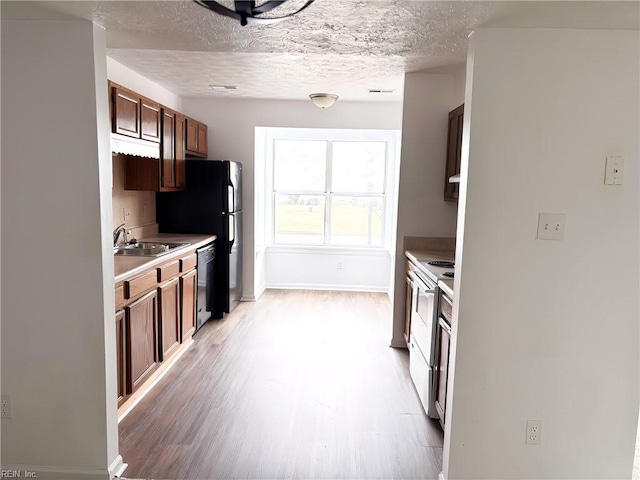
<point x="116" y="234"/>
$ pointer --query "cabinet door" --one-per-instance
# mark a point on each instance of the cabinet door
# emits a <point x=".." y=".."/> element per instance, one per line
<point x="442" y="368"/>
<point x="167" y="178"/>
<point x="126" y="113"/>
<point x="141" y="338"/>
<point x="188" y="290"/>
<point x="169" y="299"/>
<point x="454" y="153"/>
<point x="407" y="310"/>
<point x="120" y="356"/>
<point x="202" y="139"/>
<point x="179" y="151"/>
<point x="192" y="136"/>
<point x="150" y="125"/>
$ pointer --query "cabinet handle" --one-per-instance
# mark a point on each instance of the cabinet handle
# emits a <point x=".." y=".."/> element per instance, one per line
<point x="421" y="285"/>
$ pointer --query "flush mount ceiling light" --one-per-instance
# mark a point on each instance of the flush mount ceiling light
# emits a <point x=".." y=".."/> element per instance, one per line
<point x="223" y="87"/>
<point x="323" y="100"/>
<point x="249" y="13"/>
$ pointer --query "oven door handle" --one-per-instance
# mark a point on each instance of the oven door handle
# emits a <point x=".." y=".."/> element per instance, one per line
<point x="420" y="284"/>
<point x="444" y="325"/>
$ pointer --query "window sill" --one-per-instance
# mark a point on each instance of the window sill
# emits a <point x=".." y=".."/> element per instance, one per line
<point x="327" y="250"/>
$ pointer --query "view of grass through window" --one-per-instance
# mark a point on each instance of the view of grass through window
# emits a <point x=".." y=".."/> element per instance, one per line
<point x="329" y="192"/>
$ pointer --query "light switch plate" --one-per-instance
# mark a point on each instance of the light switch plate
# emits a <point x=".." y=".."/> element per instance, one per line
<point x="551" y="226"/>
<point x="614" y="170"/>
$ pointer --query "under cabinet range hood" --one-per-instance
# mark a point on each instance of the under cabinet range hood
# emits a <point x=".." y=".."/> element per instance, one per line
<point x="121" y="144"/>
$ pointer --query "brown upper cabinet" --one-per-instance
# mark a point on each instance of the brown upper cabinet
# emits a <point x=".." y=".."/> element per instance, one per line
<point x="150" y="116"/>
<point x="125" y="116"/>
<point x="180" y="130"/>
<point x="196" y="144"/>
<point x="135" y="116"/>
<point x="454" y="155"/>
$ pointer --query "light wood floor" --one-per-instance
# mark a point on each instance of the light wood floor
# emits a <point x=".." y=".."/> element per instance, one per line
<point x="301" y="384"/>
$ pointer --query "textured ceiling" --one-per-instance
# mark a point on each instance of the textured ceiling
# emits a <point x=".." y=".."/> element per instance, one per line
<point x="339" y="46"/>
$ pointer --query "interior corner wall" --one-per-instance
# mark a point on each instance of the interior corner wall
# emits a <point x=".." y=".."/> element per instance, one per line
<point x="231" y="132"/>
<point x="422" y="211"/>
<point x="54" y="336"/>
<point x="547" y="330"/>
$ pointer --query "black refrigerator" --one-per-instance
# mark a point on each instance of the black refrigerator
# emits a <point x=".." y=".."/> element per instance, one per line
<point x="212" y="204"/>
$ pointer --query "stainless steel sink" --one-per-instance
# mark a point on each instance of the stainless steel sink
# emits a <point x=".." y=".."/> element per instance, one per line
<point x="148" y="249"/>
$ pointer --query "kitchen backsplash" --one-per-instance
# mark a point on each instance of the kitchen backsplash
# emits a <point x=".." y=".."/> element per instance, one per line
<point x="140" y="205"/>
<point x="430" y="243"/>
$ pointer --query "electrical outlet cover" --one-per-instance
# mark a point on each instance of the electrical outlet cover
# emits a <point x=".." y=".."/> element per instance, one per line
<point x="5" y="406"/>
<point x="534" y="432"/>
<point x="551" y="226"/>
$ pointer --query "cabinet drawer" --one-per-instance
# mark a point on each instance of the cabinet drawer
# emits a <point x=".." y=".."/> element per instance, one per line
<point x="188" y="263"/>
<point x="139" y="285"/>
<point x="119" y="297"/>
<point x="446" y="309"/>
<point x="167" y="271"/>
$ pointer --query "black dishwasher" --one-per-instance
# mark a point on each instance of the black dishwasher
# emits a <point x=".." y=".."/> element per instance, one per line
<point x="206" y="292"/>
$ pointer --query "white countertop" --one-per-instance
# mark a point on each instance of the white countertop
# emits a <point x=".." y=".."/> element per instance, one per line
<point x="421" y="257"/>
<point x="126" y="266"/>
<point x="446" y="285"/>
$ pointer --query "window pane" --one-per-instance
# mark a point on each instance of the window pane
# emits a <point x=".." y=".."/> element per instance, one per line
<point x="356" y="220"/>
<point x="358" y="166"/>
<point x="299" y="219"/>
<point x="299" y="165"/>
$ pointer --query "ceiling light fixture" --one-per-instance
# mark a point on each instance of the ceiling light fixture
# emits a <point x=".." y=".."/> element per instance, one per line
<point x="323" y="100"/>
<point x="223" y="87"/>
<point x="247" y="12"/>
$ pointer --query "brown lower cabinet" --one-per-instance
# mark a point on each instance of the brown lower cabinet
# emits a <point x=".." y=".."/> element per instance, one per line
<point x="443" y="343"/>
<point x="142" y="340"/>
<point x="156" y="314"/>
<point x="121" y="341"/>
<point x="188" y="288"/>
<point x="169" y="301"/>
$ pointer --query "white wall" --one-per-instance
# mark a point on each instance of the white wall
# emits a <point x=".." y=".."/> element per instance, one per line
<point x="126" y="77"/>
<point x="312" y="268"/>
<point x="231" y="137"/>
<point x="422" y="212"/>
<point x="547" y="330"/>
<point x="57" y="268"/>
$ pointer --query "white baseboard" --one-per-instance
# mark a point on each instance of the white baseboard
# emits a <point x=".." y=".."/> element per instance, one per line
<point x="43" y="472"/>
<point x="337" y="288"/>
<point x="147" y="388"/>
<point x="398" y="343"/>
<point x="260" y="292"/>
<point x="117" y="468"/>
<point x="253" y="298"/>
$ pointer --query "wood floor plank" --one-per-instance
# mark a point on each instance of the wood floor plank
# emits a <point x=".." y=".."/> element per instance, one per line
<point x="301" y="384"/>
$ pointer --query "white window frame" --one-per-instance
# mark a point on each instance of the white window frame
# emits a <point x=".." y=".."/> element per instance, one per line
<point x="390" y="137"/>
